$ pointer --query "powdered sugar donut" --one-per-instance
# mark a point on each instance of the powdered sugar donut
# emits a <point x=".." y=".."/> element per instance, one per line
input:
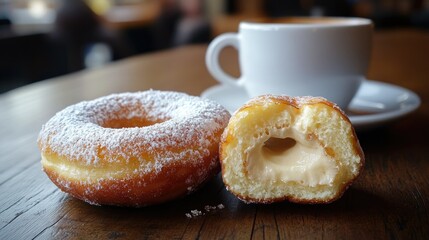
<point x="133" y="149"/>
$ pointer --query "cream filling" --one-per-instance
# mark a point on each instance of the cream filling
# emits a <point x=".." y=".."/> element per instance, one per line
<point x="287" y="156"/>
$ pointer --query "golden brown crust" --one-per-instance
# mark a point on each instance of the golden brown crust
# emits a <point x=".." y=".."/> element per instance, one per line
<point x="157" y="188"/>
<point x="297" y="103"/>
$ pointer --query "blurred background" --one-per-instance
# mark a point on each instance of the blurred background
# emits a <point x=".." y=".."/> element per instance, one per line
<point x="40" y="39"/>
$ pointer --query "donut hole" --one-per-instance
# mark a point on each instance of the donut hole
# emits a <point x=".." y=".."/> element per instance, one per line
<point x="131" y="123"/>
<point x="278" y="145"/>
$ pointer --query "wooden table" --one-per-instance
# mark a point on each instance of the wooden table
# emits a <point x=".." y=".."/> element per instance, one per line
<point x="390" y="200"/>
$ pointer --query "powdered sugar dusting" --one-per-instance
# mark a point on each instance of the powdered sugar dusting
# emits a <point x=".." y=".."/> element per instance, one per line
<point x="207" y="209"/>
<point x="183" y="128"/>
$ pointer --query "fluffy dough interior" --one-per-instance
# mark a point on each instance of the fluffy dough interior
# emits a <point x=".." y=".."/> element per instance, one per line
<point x="314" y="160"/>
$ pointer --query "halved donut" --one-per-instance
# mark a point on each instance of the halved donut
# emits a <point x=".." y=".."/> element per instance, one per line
<point x="301" y="149"/>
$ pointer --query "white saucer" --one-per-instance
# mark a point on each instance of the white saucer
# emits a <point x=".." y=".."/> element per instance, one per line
<point x="375" y="103"/>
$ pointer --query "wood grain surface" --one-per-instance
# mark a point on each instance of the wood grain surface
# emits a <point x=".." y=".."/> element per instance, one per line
<point x="388" y="201"/>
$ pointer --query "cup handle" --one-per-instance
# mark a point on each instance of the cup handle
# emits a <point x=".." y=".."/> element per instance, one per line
<point x="212" y="58"/>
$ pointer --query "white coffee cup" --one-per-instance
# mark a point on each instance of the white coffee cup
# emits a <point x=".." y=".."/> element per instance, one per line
<point x="298" y="56"/>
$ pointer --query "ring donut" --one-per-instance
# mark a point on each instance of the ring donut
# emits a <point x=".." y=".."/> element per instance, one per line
<point x="133" y="149"/>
